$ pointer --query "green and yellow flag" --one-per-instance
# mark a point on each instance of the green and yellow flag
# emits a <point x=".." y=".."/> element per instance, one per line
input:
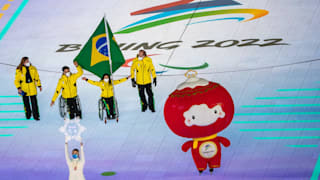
<point x="95" y="56"/>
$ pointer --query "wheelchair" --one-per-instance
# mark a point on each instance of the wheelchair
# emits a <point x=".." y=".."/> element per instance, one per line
<point x="64" y="109"/>
<point x="102" y="106"/>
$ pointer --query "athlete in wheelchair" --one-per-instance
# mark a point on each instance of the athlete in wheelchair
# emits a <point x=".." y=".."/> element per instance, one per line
<point x="107" y="101"/>
<point x="69" y="100"/>
<point x="67" y="106"/>
<point x="106" y="109"/>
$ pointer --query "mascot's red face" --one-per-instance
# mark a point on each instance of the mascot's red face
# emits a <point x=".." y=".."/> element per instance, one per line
<point x="198" y="108"/>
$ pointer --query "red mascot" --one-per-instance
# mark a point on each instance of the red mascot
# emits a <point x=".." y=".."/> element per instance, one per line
<point x="199" y="109"/>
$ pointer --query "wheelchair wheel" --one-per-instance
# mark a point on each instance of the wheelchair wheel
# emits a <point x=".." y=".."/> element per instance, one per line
<point x="101" y="109"/>
<point x="62" y="107"/>
<point x="116" y="107"/>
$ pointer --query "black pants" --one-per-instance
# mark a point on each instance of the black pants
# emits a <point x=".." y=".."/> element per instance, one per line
<point x="148" y="89"/>
<point x="34" y="105"/>
<point x="73" y="107"/>
<point x="109" y="104"/>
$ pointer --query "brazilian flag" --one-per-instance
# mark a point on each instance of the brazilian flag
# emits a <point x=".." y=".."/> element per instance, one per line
<point x="100" y="49"/>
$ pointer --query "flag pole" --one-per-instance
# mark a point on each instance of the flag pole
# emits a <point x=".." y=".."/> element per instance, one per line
<point x="110" y="65"/>
<point x="108" y="44"/>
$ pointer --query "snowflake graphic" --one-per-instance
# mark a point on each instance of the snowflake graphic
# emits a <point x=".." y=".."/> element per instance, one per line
<point x="72" y="129"/>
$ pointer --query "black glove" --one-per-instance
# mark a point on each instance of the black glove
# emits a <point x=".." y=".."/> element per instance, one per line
<point x="155" y="81"/>
<point x="133" y="83"/>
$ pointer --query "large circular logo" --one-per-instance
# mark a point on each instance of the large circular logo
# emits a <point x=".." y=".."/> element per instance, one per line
<point x="208" y="150"/>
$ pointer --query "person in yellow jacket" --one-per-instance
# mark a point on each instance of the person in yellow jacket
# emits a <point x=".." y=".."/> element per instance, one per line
<point x="141" y="71"/>
<point x="26" y="81"/>
<point x="107" y="92"/>
<point x="68" y="84"/>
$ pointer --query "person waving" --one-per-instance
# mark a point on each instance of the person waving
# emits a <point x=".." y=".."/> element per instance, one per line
<point x="106" y="85"/>
<point x="76" y="163"/>
<point x="68" y="84"/>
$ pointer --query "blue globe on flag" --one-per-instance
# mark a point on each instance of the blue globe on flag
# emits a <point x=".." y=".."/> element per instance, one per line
<point x="102" y="46"/>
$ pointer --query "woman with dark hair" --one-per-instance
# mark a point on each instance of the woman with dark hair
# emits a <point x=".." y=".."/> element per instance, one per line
<point x="76" y="163"/>
<point x="26" y="81"/>
<point x="107" y="92"/>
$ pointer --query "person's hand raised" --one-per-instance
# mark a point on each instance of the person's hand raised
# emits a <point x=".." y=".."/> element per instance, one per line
<point x="84" y="78"/>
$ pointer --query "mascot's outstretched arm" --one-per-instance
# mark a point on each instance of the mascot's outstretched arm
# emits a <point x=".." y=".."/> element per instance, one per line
<point x="186" y="146"/>
<point x="224" y="141"/>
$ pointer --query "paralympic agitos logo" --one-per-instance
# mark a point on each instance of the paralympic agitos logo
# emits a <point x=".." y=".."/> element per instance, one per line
<point x="187" y="9"/>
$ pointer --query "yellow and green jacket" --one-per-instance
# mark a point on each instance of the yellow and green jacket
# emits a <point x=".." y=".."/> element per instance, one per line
<point x="143" y="69"/>
<point x="20" y="80"/>
<point x="106" y="87"/>
<point x="68" y="85"/>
